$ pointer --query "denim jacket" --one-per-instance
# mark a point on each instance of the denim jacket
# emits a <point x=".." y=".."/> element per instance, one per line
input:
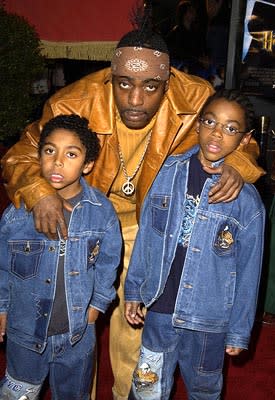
<point x="28" y="268"/>
<point x="220" y="278"/>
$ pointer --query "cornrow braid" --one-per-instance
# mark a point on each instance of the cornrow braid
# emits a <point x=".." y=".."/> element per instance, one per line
<point x="143" y="35"/>
<point x="238" y="97"/>
<point x="79" y="126"/>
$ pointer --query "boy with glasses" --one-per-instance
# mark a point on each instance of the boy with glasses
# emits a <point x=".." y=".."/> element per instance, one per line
<point x="195" y="265"/>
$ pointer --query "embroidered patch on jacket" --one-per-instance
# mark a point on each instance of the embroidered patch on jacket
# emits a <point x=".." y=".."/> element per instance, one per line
<point x="94" y="252"/>
<point x="225" y="238"/>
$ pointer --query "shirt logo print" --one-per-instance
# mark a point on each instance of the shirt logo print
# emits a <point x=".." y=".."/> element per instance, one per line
<point x="62" y="248"/>
<point x="190" y="208"/>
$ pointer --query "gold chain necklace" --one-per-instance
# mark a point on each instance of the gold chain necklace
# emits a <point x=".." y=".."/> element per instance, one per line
<point x="128" y="188"/>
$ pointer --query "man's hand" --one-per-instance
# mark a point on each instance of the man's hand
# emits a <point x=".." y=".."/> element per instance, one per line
<point x="3" y="324"/>
<point x="133" y="313"/>
<point x="233" y="351"/>
<point x="229" y="185"/>
<point x="49" y="217"/>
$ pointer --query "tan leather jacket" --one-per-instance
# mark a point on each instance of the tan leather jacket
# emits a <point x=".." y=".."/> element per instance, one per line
<point x="92" y="97"/>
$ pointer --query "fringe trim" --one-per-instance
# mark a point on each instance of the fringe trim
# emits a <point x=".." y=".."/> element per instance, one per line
<point x="96" y="51"/>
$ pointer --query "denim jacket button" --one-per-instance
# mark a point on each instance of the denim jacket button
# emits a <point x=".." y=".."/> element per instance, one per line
<point x="48" y="280"/>
<point x="179" y="321"/>
<point x="188" y="286"/>
<point x="73" y="273"/>
<point x="51" y="249"/>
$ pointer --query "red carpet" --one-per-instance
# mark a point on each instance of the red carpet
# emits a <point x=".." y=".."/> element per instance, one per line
<point x="250" y="376"/>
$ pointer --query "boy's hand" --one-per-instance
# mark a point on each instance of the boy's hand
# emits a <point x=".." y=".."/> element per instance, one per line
<point x="233" y="351"/>
<point x="93" y="314"/>
<point x="48" y="216"/>
<point x="229" y="185"/>
<point x="3" y="324"/>
<point x="134" y="313"/>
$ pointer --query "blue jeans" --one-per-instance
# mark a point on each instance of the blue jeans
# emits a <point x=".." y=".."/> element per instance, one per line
<point x="68" y="367"/>
<point x="200" y="356"/>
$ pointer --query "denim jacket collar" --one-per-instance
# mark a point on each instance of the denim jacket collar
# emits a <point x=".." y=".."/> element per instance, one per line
<point x="186" y="156"/>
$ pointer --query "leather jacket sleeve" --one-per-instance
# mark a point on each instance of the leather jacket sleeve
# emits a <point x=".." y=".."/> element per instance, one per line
<point x="21" y="168"/>
<point x="90" y="97"/>
<point x="244" y="161"/>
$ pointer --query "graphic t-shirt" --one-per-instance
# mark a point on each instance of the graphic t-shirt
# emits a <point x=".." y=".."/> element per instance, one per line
<point x="59" y="322"/>
<point x="196" y="179"/>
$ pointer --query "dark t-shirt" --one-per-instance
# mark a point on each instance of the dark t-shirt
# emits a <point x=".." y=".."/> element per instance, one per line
<point x="59" y="322"/>
<point x="196" y="179"/>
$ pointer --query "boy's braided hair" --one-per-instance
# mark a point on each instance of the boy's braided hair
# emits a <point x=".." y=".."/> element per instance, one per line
<point x="238" y="97"/>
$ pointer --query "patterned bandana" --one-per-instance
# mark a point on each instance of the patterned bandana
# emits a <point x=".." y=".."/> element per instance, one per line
<point x="141" y="62"/>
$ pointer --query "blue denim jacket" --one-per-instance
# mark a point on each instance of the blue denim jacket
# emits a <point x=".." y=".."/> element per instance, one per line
<point x="221" y="274"/>
<point x="28" y="268"/>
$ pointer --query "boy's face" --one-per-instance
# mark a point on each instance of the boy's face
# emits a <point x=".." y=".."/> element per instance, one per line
<point x="214" y="142"/>
<point x="62" y="162"/>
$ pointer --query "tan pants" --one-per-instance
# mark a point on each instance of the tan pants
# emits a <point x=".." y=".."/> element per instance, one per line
<point x="94" y="378"/>
<point x="124" y="340"/>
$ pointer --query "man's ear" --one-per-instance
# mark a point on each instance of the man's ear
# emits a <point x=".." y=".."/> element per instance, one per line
<point x="88" y="167"/>
<point x="246" y="138"/>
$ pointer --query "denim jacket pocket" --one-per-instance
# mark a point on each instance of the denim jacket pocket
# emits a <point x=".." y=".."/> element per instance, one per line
<point x="160" y="210"/>
<point x="25" y="257"/>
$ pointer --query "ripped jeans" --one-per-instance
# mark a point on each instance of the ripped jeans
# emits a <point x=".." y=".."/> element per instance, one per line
<point x="200" y="356"/>
<point x="68" y="367"/>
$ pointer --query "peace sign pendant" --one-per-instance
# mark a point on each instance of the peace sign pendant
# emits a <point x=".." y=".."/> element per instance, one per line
<point x="128" y="188"/>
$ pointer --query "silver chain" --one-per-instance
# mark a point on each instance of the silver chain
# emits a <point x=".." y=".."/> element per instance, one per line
<point x="128" y="188"/>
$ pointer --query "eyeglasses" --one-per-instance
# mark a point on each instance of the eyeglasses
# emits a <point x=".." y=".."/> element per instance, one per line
<point x="226" y="128"/>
